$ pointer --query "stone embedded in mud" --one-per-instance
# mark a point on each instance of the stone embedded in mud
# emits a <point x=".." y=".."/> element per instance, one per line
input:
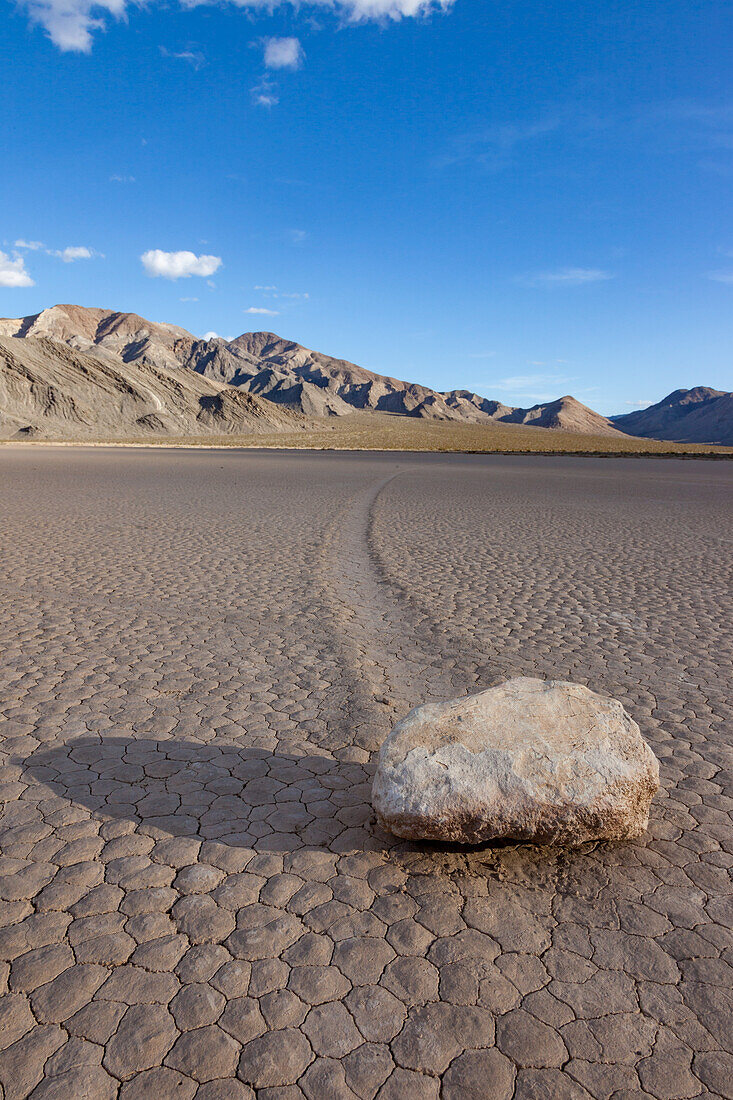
<point x="540" y="760"/>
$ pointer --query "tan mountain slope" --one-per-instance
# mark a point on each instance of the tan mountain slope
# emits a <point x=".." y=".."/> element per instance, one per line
<point x="51" y="390"/>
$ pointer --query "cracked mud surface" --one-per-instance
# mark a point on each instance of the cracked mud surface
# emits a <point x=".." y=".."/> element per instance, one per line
<point x="201" y="652"/>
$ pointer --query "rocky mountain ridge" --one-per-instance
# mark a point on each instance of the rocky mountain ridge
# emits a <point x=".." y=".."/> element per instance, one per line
<point x="283" y="372"/>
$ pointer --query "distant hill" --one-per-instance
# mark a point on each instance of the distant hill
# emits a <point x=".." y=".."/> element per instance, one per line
<point x="699" y="415"/>
<point x="52" y="390"/>
<point x="566" y="414"/>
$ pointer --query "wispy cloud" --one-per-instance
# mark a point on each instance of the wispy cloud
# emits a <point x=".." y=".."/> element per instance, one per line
<point x="121" y="179"/>
<point x="178" y="265"/>
<point x="565" y="276"/>
<point x="275" y="292"/>
<point x="13" y="272"/>
<point x="32" y="246"/>
<point x="537" y="398"/>
<point x="265" y="94"/>
<point x="721" y="276"/>
<point x="658" y="128"/>
<point x="297" y="236"/>
<point x="638" y="404"/>
<point x="519" y="382"/>
<point x="494" y="147"/>
<point x="70" y="24"/>
<point x="696" y="123"/>
<point x="262" y="310"/>
<point x="283" y="53"/>
<point x="195" y="58"/>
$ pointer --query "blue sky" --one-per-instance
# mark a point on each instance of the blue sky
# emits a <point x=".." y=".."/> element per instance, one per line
<point x="523" y="199"/>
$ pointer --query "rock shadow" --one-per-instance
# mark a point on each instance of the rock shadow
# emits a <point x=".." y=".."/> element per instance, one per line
<point x="237" y="795"/>
<point x="243" y="796"/>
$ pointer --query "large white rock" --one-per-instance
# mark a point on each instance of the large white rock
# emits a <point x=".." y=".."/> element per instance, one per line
<point x="530" y="759"/>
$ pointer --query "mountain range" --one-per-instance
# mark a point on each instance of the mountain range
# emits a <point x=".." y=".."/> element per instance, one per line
<point x="83" y="370"/>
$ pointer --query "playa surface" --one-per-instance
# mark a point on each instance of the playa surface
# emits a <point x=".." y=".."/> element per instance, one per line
<point x="201" y="652"/>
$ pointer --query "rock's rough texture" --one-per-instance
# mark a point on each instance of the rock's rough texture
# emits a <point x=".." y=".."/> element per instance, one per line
<point x="527" y="760"/>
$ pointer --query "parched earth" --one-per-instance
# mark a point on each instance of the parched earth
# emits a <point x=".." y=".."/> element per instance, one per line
<point x="201" y="651"/>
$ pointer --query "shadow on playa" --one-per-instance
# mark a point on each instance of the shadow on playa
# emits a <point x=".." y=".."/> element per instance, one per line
<point x="246" y="797"/>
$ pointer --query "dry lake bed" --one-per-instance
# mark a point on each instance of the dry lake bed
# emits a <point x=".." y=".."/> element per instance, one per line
<point x="201" y="651"/>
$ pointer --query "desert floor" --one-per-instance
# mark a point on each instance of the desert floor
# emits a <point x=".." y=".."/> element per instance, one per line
<point x="201" y="650"/>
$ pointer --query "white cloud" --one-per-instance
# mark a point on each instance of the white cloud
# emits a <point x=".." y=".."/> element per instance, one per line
<point x="639" y="404"/>
<point x="70" y="24"/>
<point x="211" y="336"/>
<point x="178" y="265"/>
<point x="121" y="179"/>
<point x="566" y="276"/>
<point x="13" y="272"/>
<point x="261" y="310"/>
<point x="360" y="10"/>
<point x="283" y="53"/>
<point x="72" y="253"/>
<point x="355" y="11"/>
<point x="721" y="276"/>
<point x="32" y="246"/>
<point x="264" y="288"/>
<point x="297" y="236"/>
<point x="188" y="299"/>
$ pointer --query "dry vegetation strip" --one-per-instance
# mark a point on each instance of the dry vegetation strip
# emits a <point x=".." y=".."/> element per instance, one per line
<point x="378" y="432"/>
